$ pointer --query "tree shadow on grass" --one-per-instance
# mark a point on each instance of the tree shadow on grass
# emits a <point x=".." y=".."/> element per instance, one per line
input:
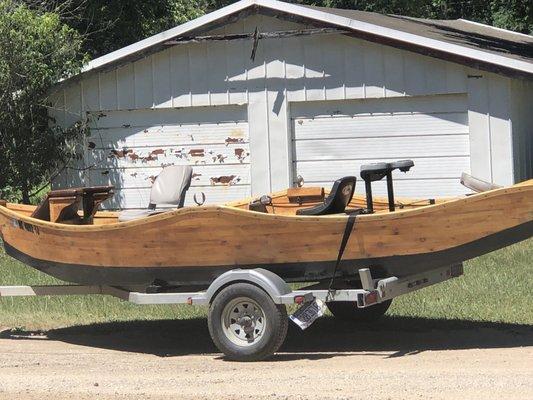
<point x="328" y="337"/>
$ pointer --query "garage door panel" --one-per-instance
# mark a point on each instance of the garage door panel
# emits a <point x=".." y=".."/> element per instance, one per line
<point x="169" y="135"/>
<point x="152" y="156"/>
<point x="425" y="168"/>
<point x="376" y="148"/>
<point x="381" y="125"/>
<point x="333" y="139"/>
<point x="128" y="149"/>
<point x="138" y="198"/>
<point x="203" y="175"/>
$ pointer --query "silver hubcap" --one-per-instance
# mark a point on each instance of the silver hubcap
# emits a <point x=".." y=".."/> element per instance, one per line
<point x="243" y="321"/>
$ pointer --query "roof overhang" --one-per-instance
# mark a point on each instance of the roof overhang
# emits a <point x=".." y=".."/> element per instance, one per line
<point x="474" y="58"/>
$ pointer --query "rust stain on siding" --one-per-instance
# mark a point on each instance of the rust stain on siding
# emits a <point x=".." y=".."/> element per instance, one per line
<point x="120" y="153"/>
<point x="134" y="157"/>
<point x="152" y="178"/>
<point x="225" y="179"/>
<point x="220" y="158"/>
<point x="157" y="152"/>
<point x="241" y="154"/>
<point x="150" y="157"/>
<point x="197" y="153"/>
<point x="233" y="140"/>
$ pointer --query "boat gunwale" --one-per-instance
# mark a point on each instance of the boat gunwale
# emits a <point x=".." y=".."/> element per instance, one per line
<point x="232" y="210"/>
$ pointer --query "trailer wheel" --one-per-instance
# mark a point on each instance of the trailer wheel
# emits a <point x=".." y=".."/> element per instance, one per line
<point x="348" y="310"/>
<point x="245" y="324"/>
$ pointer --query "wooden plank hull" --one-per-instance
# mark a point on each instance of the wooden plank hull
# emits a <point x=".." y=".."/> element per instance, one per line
<point x="194" y="245"/>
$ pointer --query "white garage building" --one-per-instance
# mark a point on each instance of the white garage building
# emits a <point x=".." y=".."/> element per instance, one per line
<point x="326" y="91"/>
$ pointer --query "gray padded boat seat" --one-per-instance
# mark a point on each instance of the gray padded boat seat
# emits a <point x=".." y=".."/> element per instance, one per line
<point x="168" y="190"/>
<point x="338" y="199"/>
<point x="377" y="171"/>
<point x="476" y="184"/>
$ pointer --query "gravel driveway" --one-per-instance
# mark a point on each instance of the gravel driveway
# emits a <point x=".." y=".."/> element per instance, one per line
<point x="400" y="358"/>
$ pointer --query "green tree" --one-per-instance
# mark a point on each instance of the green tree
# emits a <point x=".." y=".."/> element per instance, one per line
<point x="515" y="15"/>
<point x="36" y="51"/>
<point x="108" y="25"/>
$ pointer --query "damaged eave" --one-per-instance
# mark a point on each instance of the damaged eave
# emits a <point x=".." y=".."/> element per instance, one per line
<point x="258" y="35"/>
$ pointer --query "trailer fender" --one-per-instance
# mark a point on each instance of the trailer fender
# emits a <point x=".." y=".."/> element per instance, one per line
<point x="266" y="280"/>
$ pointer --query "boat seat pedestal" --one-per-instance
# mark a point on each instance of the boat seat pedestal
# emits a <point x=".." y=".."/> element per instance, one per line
<point x="376" y="172"/>
<point x="63" y="209"/>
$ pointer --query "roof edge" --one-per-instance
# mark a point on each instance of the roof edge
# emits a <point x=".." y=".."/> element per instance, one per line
<point x="524" y="35"/>
<point x="393" y="35"/>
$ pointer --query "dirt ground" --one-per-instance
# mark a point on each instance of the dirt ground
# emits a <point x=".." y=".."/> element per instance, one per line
<point x="400" y="358"/>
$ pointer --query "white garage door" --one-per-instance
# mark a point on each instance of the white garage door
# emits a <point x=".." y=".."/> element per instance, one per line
<point x="333" y="139"/>
<point x="128" y="149"/>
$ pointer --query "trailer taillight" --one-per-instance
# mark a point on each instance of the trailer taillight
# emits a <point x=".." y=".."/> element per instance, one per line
<point x="299" y="299"/>
<point x="371" y="297"/>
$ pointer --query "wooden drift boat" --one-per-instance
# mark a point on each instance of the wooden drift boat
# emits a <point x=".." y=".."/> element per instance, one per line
<point x="296" y="233"/>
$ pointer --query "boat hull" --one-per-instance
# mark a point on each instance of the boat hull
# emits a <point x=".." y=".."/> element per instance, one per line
<point x="399" y="266"/>
<point x="193" y="246"/>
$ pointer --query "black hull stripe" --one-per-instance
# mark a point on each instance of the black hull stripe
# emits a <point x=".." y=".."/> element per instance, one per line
<point x="291" y="272"/>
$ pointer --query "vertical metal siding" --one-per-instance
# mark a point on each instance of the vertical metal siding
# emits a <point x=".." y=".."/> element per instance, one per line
<point x="522" y="129"/>
<point x="489" y="114"/>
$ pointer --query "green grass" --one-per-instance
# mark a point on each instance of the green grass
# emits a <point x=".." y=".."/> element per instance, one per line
<point x="497" y="287"/>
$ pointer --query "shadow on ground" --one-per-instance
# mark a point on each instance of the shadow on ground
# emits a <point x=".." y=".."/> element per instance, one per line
<point x="328" y="337"/>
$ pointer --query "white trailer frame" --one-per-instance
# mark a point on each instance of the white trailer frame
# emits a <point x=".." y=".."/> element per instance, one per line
<point x="373" y="291"/>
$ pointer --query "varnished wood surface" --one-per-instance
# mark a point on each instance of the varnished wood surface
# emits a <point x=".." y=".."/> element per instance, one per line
<point x="283" y="202"/>
<point x="224" y="235"/>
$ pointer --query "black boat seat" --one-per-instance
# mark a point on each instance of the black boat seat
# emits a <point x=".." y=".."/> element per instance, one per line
<point x="168" y="190"/>
<point x="377" y="171"/>
<point x="338" y="199"/>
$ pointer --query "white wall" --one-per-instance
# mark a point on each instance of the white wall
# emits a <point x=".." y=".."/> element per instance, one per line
<point x="315" y="68"/>
<point x="522" y="119"/>
<point x="491" y="136"/>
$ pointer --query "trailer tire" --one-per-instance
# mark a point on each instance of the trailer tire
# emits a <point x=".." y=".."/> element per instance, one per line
<point x="245" y="324"/>
<point x="348" y="311"/>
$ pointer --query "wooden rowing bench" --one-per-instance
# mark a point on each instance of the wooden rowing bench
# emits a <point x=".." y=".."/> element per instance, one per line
<point x="63" y="205"/>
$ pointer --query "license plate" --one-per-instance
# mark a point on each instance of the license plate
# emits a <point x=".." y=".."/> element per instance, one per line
<point x="308" y="313"/>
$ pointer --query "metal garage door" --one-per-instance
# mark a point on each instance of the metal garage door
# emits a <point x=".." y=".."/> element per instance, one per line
<point x="333" y="139"/>
<point x="128" y="149"/>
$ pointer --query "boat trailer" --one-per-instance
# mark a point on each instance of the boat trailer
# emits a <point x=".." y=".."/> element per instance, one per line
<point x="311" y="301"/>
